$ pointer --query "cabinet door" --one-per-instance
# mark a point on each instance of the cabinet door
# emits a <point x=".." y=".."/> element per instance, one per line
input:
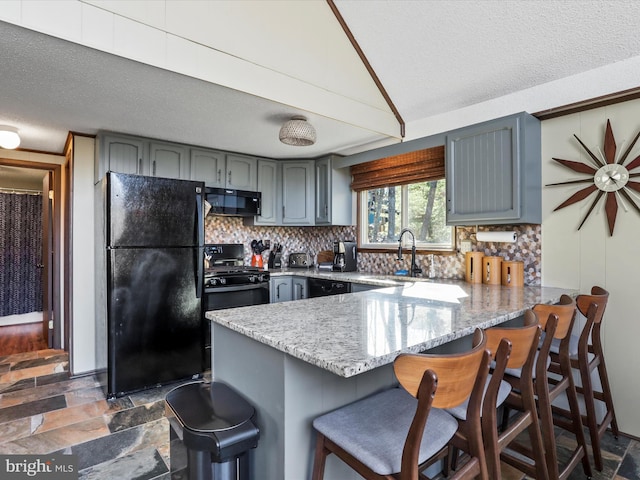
<point x="297" y="193"/>
<point x="241" y="173"/>
<point x="268" y="186"/>
<point x="207" y="166"/>
<point x="280" y="289"/>
<point x="168" y="160"/>
<point x="323" y="192"/>
<point x="483" y="173"/>
<point x="121" y="154"/>
<point x="299" y="288"/>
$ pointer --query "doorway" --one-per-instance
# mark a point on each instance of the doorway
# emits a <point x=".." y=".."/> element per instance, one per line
<point x="30" y="313"/>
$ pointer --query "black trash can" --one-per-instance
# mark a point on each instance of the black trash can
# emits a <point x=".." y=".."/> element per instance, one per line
<point x="211" y="432"/>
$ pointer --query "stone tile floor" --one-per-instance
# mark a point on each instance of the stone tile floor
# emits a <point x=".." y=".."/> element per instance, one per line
<point x="43" y="411"/>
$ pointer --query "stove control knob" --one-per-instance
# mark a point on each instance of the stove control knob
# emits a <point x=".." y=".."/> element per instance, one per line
<point x="261" y="278"/>
<point x="223" y="281"/>
<point x="251" y="278"/>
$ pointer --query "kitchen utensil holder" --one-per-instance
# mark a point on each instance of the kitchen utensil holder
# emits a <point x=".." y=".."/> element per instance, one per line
<point x="492" y="270"/>
<point x="473" y="262"/>
<point x="513" y="274"/>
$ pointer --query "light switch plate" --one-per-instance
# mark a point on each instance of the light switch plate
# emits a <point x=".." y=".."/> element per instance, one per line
<point x="465" y="246"/>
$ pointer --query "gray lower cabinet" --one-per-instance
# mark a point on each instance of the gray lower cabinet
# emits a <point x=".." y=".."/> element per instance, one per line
<point x="168" y="160"/>
<point x="332" y="193"/>
<point x="297" y="192"/>
<point x="299" y="288"/>
<point x="119" y="153"/>
<point x="493" y="172"/>
<point x="280" y="289"/>
<point x="286" y="288"/>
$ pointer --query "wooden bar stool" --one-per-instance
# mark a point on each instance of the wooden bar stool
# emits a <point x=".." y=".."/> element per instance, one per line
<point x="394" y="433"/>
<point x="556" y="322"/>
<point x="524" y="348"/>
<point x="496" y="391"/>
<point x="586" y="356"/>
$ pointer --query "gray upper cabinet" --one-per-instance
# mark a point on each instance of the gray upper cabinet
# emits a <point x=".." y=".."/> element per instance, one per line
<point x="241" y="172"/>
<point x="332" y="194"/>
<point x="207" y="166"/>
<point x="493" y="172"/>
<point x="297" y="192"/>
<point x="120" y="154"/>
<point x="168" y="160"/>
<point x="268" y="187"/>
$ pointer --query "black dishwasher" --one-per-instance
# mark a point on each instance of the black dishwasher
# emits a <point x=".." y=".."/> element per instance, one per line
<point x="320" y="287"/>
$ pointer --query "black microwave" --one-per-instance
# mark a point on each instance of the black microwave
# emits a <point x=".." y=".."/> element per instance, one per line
<point x="238" y="203"/>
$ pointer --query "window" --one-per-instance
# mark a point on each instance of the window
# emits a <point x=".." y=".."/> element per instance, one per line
<point x="385" y="211"/>
<point x="405" y="191"/>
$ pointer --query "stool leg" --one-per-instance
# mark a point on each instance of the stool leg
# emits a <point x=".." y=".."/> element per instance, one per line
<point x="608" y="398"/>
<point x="574" y="407"/>
<point x="319" y="458"/>
<point x="591" y="421"/>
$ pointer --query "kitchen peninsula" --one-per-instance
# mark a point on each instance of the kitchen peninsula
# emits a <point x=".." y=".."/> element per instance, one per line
<point x="297" y="360"/>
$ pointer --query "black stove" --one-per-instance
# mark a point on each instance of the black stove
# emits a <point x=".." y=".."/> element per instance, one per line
<point x="224" y="267"/>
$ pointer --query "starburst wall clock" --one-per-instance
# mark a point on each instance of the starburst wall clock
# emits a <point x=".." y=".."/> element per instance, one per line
<point x="608" y="177"/>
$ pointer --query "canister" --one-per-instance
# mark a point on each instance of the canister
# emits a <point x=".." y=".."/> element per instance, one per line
<point x="513" y="274"/>
<point x="473" y="262"/>
<point x="492" y="270"/>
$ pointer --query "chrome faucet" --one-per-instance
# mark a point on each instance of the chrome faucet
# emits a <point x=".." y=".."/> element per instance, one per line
<point x="414" y="270"/>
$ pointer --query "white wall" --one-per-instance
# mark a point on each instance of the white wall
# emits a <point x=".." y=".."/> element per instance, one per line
<point x="581" y="259"/>
<point x="82" y="348"/>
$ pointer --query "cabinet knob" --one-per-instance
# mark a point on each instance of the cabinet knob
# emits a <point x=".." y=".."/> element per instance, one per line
<point x="230" y="178"/>
<point x="219" y="175"/>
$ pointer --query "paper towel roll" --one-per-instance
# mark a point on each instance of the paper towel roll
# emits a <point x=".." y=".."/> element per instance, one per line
<point x="500" y="237"/>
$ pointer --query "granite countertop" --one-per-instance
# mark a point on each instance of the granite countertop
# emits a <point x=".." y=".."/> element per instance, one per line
<point x="353" y="333"/>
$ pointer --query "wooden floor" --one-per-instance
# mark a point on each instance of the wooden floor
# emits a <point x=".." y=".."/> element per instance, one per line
<point x="23" y="338"/>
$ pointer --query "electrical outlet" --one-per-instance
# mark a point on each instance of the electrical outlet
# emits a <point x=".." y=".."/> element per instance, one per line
<point x="267" y="244"/>
<point x="465" y="246"/>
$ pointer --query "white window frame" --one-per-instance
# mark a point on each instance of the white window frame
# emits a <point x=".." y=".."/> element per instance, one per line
<point x="407" y="241"/>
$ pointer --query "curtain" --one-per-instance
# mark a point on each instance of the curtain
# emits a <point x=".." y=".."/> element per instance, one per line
<point x="20" y="253"/>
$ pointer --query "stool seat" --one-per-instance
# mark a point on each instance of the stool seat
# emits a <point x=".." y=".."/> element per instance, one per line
<point x="379" y="444"/>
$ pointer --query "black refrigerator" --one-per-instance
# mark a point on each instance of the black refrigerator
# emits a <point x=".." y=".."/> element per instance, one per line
<point x="149" y="267"/>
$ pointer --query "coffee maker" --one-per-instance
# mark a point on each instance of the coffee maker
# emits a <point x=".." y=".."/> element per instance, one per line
<point x="345" y="256"/>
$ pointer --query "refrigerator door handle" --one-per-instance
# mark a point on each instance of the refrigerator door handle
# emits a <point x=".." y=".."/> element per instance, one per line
<point x="199" y="252"/>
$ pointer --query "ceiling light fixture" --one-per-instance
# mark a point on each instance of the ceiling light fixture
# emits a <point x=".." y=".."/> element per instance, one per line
<point x="298" y="131"/>
<point x="9" y="137"/>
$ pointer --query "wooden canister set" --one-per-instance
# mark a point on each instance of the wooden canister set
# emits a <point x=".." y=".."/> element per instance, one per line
<point x="492" y="270"/>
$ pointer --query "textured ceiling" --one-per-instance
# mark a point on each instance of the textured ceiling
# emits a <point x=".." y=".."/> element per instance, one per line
<point x="436" y="56"/>
<point x="432" y="56"/>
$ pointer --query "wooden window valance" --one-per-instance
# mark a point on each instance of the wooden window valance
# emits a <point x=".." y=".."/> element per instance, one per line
<point x="412" y="167"/>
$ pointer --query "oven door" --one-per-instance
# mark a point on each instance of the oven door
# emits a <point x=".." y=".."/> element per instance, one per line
<point x="235" y="296"/>
<point x="219" y="298"/>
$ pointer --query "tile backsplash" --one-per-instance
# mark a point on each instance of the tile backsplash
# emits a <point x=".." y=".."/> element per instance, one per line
<point x="312" y="240"/>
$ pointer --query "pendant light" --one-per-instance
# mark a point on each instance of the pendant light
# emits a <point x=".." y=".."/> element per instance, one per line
<point x="298" y="131"/>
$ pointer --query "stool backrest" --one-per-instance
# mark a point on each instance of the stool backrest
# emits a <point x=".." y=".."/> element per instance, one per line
<point x="598" y="295"/>
<point x="565" y="310"/>
<point x="524" y="342"/>
<point x="456" y="374"/>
